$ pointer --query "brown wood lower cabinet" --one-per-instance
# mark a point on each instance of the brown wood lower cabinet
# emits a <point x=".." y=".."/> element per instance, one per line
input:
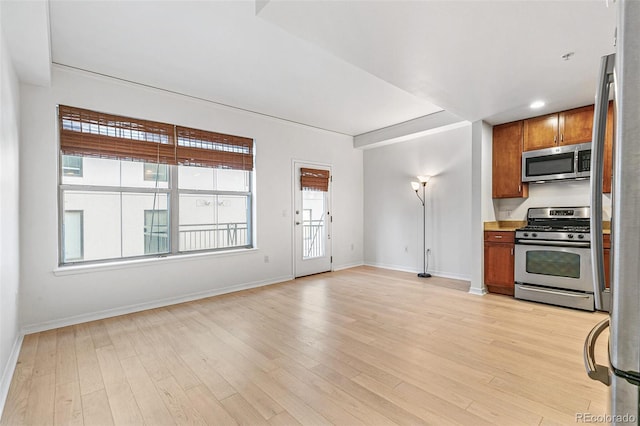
<point x="498" y="261"/>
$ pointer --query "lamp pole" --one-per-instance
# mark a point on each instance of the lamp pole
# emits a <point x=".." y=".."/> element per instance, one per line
<point x="416" y="187"/>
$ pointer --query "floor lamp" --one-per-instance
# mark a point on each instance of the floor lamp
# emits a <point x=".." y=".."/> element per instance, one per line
<point x="416" y="186"/>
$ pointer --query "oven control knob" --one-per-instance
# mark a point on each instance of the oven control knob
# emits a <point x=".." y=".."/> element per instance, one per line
<point x="581" y="236"/>
<point x="526" y="234"/>
<point x="534" y="235"/>
<point x="570" y="235"/>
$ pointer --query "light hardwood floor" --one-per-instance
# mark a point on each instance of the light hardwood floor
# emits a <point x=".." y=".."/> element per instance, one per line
<point x="364" y="346"/>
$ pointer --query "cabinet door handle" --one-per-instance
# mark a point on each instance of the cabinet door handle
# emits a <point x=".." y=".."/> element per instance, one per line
<point x="561" y="137"/>
<point x="519" y="188"/>
<point x="555" y="138"/>
<point x="511" y="251"/>
<point x="497" y="236"/>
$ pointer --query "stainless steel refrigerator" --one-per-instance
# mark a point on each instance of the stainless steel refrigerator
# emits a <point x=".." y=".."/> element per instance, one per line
<point x="620" y="79"/>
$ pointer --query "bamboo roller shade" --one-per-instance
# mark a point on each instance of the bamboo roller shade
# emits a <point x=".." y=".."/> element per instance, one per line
<point x="94" y="134"/>
<point x="208" y="149"/>
<point x="314" y="179"/>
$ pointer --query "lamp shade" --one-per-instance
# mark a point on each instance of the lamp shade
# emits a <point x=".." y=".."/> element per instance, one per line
<point x="415" y="186"/>
<point x="424" y="178"/>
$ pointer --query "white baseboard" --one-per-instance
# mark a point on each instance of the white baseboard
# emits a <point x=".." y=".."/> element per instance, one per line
<point x="347" y="266"/>
<point x="477" y="291"/>
<point x="391" y="267"/>
<point x="450" y="275"/>
<point x="78" y="319"/>
<point x="9" y="369"/>
<point x="442" y="274"/>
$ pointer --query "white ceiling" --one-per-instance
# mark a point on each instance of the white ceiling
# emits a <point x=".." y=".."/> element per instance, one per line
<point x="477" y="59"/>
<point x="222" y="52"/>
<point x="347" y="66"/>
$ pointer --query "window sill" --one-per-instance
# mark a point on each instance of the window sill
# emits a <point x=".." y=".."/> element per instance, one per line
<point x="136" y="263"/>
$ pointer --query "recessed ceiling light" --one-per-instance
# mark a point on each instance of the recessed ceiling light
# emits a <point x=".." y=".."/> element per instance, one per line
<point x="536" y="104"/>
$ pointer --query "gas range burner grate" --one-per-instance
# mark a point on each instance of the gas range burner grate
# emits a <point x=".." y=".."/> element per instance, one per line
<point x="574" y="228"/>
<point x="548" y="228"/>
<point x="537" y="228"/>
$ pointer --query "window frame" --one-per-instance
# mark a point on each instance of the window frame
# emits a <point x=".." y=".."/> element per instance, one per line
<point x="93" y="134"/>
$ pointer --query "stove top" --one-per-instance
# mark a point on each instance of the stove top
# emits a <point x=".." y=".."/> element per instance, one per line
<point x="552" y="228"/>
<point x="556" y="224"/>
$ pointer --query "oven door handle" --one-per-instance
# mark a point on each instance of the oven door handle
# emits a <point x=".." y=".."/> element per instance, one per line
<point x="550" y="291"/>
<point x="555" y="243"/>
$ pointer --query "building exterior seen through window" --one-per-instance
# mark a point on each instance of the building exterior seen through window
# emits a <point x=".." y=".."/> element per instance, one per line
<point x="156" y="231"/>
<point x="73" y="243"/>
<point x="115" y="209"/>
<point x="71" y="165"/>
<point x="156" y="172"/>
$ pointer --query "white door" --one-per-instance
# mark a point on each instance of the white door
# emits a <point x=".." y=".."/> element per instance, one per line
<point x="312" y="219"/>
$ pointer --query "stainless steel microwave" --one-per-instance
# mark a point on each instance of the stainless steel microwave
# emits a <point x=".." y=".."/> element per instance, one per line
<point x="563" y="162"/>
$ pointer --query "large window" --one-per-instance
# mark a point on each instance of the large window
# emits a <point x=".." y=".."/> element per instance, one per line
<point x="125" y="203"/>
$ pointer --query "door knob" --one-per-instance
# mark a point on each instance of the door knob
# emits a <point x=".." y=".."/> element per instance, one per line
<point x="297" y="223"/>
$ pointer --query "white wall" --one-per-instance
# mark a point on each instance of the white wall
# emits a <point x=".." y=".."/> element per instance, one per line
<point x="393" y="214"/>
<point x="550" y="194"/>
<point x="482" y="206"/>
<point x="9" y="200"/>
<point x="488" y="208"/>
<point x="50" y="299"/>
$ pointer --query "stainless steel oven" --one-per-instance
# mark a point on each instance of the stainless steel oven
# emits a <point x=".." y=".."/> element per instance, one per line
<point x="565" y="265"/>
<point x="553" y="258"/>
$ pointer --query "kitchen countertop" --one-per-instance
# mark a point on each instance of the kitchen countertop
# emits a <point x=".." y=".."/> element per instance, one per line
<point x="504" y="225"/>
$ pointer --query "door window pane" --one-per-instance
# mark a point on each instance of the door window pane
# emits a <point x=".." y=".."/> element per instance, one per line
<point x="313" y="224"/>
<point x="556" y="263"/>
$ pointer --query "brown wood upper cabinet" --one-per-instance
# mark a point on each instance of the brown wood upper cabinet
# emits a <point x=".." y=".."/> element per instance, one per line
<point x="507" y="161"/>
<point x="564" y="128"/>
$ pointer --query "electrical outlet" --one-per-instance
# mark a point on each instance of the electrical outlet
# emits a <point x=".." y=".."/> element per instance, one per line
<point x="266" y="259"/>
